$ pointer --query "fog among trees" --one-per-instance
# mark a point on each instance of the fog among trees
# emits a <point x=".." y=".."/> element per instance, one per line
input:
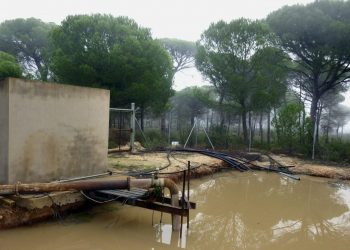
<point x="274" y="83"/>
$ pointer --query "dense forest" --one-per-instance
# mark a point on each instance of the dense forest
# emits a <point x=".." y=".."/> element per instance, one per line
<point x="275" y="84"/>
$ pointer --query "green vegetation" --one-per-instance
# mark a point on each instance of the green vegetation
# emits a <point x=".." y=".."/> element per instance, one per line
<point x="240" y="62"/>
<point x="8" y="66"/>
<point x="114" y="53"/>
<point x="287" y="71"/>
<point x="318" y="37"/>
<point x="28" y="41"/>
<point x="181" y="51"/>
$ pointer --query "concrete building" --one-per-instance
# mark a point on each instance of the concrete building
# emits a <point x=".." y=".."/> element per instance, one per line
<point x="51" y="131"/>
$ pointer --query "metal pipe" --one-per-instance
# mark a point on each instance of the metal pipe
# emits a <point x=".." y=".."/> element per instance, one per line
<point x="162" y="182"/>
<point x="188" y="189"/>
<point x="132" y="122"/>
<point x="211" y="144"/>
<point x="20" y="188"/>
<point x="118" y="109"/>
<point x="24" y="188"/>
<point x="194" y="125"/>
<point x="174" y="192"/>
<point x="85" y="177"/>
<point x="183" y="199"/>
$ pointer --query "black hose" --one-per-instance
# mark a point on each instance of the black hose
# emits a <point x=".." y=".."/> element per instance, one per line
<point x="220" y="156"/>
<point x="230" y="160"/>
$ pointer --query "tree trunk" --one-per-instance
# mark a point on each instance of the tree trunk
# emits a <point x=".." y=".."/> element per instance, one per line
<point x="163" y="125"/>
<point x="142" y="116"/>
<point x="269" y="127"/>
<point x="244" y="126"/>
<point x="303" y="126"/>
<point x="221" y="111"/>
<point x="328" y="125"/>
<point x="313" y="114"/>
<point x="338" y="126"/>
<point x="239" y="126"/>
<point x="207" y="127"/>
<point x="313" y="111"/>
<point x="261" y="128"/>
<point x="228" y="133"/>
<point x="278" y="132"/>
<point x="300" y="117"/>
<point x="250" y="129"/>
<point x="319" y="114"/>
<point x="42" y="71"/>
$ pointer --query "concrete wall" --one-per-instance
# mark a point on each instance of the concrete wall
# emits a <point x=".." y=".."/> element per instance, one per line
<point x="4" y="129"/>
<point x="55" y="131"/>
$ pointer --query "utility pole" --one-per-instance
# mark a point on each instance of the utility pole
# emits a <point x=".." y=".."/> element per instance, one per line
<point x="132" y="122"/>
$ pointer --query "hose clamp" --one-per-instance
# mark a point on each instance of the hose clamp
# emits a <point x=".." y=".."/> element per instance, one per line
<point x="17" y="188"/>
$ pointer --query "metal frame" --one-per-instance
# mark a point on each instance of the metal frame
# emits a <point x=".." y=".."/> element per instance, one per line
<point x="194" y="126"/>
<point x="132" y="124"/>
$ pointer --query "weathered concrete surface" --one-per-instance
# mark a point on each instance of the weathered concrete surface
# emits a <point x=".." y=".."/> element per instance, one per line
<point x="31" y="202"/>
<point x="51" y="131"/>
<point x="4" y="129"/>
<point x="17" y="216"/>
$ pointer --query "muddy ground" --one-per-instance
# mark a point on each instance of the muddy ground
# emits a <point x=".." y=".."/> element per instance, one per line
<point x="314" y="168"/>
<point x="176" y="161"/>
<point x="173" y="162"/>
<point x="123" y="162"/>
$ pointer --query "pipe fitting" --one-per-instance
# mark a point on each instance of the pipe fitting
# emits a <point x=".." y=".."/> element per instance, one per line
<point x="157" y="182"/>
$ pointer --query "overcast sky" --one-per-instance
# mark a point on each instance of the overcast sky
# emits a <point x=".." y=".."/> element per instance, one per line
<point x="182" y="19"/>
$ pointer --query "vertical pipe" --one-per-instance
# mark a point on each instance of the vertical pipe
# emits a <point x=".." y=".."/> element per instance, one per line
<point x="188" y="190"/>
<point x="169" y="128"/>
<point x="174" y="192"/>
<point x="183" y="198"/>
<point x="196" y="138"/>
<point x="120" y="129"/>
<point x="250" y="131"/>
<point x="132" y="122"/>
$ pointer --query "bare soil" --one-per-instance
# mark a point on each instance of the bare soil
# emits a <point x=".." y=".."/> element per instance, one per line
<point x="168" y="163"/>
<point x="314" y="168"/>
<point x="17" y="216"/>
<point x="177" y="161"/>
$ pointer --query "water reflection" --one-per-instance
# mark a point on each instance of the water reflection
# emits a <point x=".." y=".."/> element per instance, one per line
<point x="165" y="235"/>
<point x="267" y="211"/>
<point x="234" y="211"/>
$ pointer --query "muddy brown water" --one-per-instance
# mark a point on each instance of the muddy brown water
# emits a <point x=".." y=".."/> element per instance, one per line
<point x="234" y="211"/>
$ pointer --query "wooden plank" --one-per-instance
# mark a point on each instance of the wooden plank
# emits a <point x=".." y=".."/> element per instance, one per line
<point x="131" y="194"/>
<point x="162" y="205"/>
<point x="165" y="208"/>
<point x="168" y="201"/>
<point x="7" y="202"/>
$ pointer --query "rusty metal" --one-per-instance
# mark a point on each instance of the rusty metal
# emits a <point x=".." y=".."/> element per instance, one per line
<point x="187" y="204"/>
<point x="188" y="188"/>
<point x="20" y="188"/>
<point x="183" y="199"/>
<point x="86" y="177"/>
<point x="158" y="205"/>
<point x="172" y="207"/>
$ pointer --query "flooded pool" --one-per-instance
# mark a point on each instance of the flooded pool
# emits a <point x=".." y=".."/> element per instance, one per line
<point x="234" y="211"/>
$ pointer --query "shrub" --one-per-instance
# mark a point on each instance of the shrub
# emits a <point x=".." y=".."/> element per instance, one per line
<point x="335" y="150"/>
